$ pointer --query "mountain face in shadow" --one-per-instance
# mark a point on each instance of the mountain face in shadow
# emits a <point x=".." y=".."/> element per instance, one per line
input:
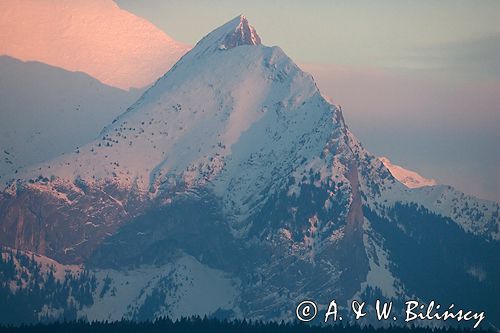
<point x="48" y="111"/>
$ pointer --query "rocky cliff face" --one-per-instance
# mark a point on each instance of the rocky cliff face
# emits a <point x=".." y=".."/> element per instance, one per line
<point x="65" y="222"/>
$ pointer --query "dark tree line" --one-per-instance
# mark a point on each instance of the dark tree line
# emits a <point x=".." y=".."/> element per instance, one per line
<point x="209" y="325"/>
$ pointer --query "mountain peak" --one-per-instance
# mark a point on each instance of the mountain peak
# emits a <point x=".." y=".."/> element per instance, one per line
<point x="242" y="33"/>
<point x="409" y="178"/>
<point x="234" y="33"/>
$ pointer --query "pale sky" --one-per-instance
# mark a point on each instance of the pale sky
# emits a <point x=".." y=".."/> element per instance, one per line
<point x="382" y="33"/>
<point x="419" y="81"/>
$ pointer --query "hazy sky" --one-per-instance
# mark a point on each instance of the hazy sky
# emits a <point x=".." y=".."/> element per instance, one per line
<point x="419" y="81"/>
<point x="384" y="33"/>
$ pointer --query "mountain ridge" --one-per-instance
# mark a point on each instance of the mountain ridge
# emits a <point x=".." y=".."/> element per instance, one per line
<point x="96" y="37"/>
<point x="38" y="98"/>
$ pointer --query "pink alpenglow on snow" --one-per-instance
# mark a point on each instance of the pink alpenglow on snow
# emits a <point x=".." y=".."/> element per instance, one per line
<point x="91" y="36"/>
<point x="408" y="177"/>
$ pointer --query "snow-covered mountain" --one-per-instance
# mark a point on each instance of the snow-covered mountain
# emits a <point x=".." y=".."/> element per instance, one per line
<point x="233" y="166"/>
<point x="47" y="111"/>
<point x="93" y="36"/>
<point x="410" y="178"/>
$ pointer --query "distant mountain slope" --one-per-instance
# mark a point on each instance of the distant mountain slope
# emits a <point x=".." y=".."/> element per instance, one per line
<point x="92" y="36"/>
<point x="47" y="111"/>
<point x="408" y="177"/>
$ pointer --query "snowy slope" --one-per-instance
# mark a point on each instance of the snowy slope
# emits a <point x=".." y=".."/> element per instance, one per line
<point x="408" y="177"/>
<point x="195" y="121"/>
<point x="182" y="288"/>
<point x="47" y="111"/>
<point x="477" y="216"/>
<point x="240" y="132"/>
<point x="474" y="215"/>
<point x="92" y="36"/>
